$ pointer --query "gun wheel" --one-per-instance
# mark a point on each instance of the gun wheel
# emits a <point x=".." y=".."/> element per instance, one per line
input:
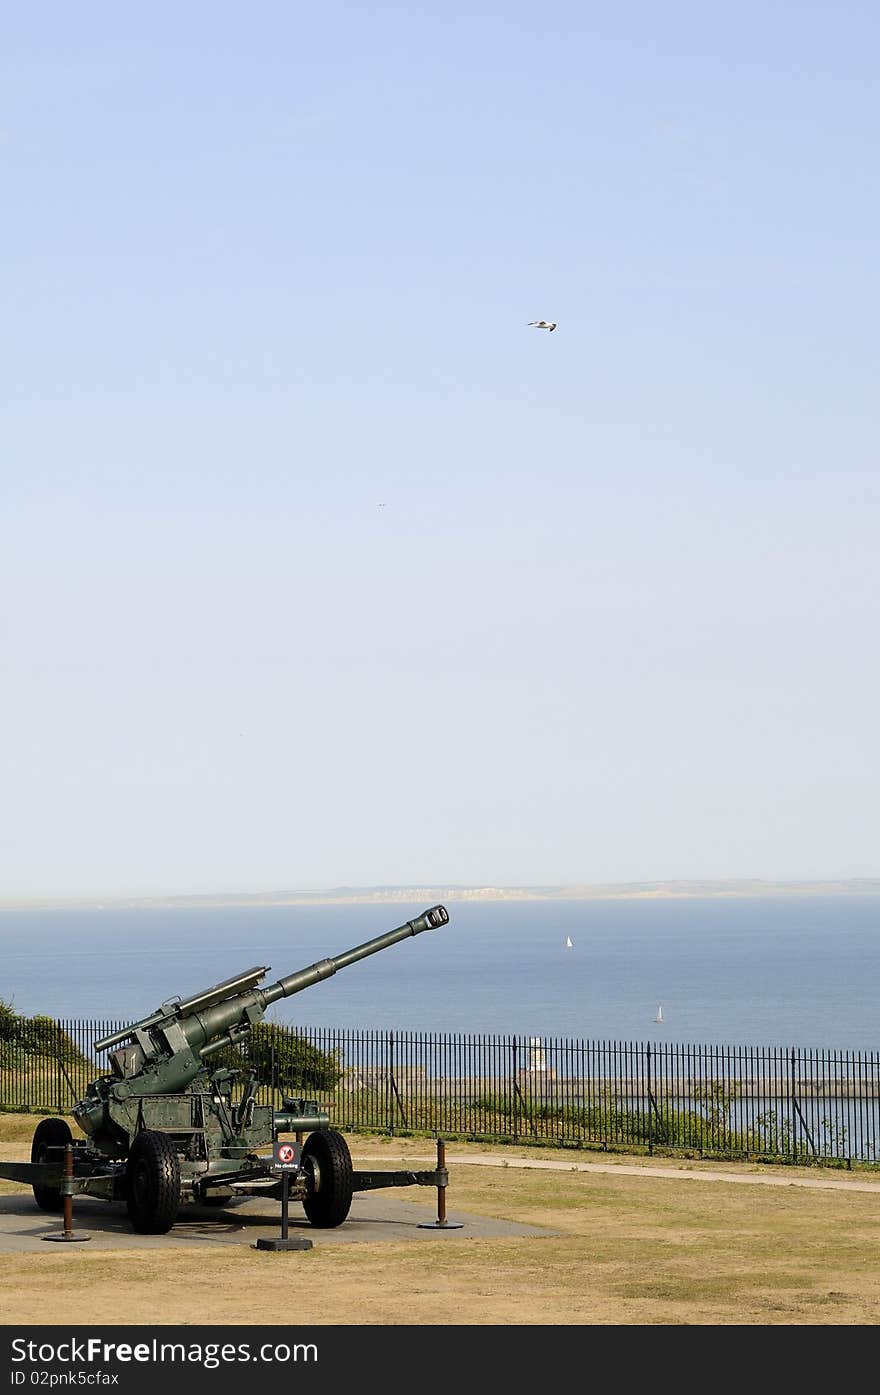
<point x="152" y="1183"/>
<point x="49" y="1133"/>
<point x="326" y="1163"/>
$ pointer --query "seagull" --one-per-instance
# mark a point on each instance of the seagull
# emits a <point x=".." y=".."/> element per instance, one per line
<point x="544" y="324"/>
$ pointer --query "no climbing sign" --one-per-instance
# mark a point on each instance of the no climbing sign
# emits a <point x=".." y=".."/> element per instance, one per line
<point x="286" y="1160"/>
<point x="285" y="1157"/>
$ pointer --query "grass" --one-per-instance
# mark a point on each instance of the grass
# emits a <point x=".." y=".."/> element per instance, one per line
<point x="644" y="1249"/>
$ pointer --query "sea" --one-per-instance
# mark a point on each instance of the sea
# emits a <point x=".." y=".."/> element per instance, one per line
<point x="789" y="970"/>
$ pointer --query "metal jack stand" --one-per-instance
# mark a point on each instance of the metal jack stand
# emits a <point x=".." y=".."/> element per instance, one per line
<point x="441" y="1222"/>
<point x="285" y="1160"/>
<point x="68" y="1232"/>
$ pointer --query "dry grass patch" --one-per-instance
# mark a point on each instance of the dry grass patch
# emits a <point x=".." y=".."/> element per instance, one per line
<point x="645" y="1249"/>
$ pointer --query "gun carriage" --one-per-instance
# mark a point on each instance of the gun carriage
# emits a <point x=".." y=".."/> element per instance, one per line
<point x="161" y="1127"/>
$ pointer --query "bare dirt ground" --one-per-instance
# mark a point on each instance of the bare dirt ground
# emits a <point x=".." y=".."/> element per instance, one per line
<point x="640" y="1241"/>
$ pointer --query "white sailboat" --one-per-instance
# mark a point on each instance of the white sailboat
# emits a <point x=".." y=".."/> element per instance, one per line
<point x="659" y="1017"/>
<point x="568" y="944"/>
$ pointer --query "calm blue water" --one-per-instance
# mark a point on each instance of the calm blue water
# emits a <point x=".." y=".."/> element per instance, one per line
<point x="750" y="971"/>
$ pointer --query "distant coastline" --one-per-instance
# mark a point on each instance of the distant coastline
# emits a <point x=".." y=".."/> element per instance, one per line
<point x="427" y="895"/>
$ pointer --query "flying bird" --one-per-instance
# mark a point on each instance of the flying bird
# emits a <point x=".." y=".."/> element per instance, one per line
<point x="544" y="324"/>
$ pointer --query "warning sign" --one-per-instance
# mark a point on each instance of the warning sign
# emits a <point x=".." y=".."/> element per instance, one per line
<point x="285" y="1157"/>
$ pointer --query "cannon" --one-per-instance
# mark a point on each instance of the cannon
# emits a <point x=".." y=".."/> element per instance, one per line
<point x="167" y="1126"/>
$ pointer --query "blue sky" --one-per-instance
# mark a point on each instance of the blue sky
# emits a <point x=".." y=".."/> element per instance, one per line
<point x="266" y="270"/>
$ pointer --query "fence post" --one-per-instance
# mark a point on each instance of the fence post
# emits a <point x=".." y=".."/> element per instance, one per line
<point x="513" y="1090"/>
<point x="390" y="1088"/>
<point x="58" y="1037"/>
<point x="650" y="1109"/>
<point x="793" y="1105"/>
<point x="391" y="1084"/>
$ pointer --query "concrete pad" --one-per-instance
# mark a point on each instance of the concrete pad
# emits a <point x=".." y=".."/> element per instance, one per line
<point x="374" y="1216"/>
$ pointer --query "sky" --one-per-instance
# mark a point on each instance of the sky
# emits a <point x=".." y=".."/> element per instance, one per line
<point x="318" y="565"/>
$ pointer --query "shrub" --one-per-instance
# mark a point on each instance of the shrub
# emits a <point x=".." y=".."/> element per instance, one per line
<point x="36" y="1038"/>
<point x="282" y="1059"/>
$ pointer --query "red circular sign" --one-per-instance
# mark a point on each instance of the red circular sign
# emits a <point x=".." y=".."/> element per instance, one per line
<point x="285" y="1153"/>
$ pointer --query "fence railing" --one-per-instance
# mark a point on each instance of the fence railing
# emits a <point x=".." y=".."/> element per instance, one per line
<point x="780" y="1102"/>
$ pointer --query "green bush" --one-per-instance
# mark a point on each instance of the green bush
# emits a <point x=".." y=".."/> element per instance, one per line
<point x="35" y="1037"/>
<point x="9" y="1023"/>
<point x="282" y="1060"/>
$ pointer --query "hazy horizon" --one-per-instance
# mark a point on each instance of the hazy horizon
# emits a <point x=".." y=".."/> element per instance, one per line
<point x="319" y="566"/>
<point x="744" y="887"/>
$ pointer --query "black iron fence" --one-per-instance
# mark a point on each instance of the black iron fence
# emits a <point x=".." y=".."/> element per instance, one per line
<point x="777" y="1102"/>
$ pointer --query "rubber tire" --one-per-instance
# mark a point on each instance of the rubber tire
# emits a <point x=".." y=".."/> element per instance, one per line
<point x="152" y="1183"/>
<point x="49" y="1133"/>
<point x="326" y="1162"/>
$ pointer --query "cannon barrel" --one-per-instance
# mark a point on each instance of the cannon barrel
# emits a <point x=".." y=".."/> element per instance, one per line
<point x="204" y="1021"/>
<point x="324" y="968"/>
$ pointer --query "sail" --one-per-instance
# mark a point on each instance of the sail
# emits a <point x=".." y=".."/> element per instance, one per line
<point x="568" y="944"/>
